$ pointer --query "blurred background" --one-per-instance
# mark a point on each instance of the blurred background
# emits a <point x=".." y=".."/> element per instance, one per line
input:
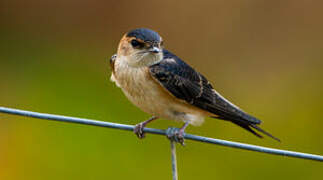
<point x="265" y="56"/>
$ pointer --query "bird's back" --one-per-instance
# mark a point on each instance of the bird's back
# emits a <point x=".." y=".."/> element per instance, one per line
<point x="183" y="82"/>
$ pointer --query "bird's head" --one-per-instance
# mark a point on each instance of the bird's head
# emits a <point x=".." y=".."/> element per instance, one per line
<point x="141" y="47"/>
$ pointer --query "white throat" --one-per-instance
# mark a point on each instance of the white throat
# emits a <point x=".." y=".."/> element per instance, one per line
<point x="140" y="60"/>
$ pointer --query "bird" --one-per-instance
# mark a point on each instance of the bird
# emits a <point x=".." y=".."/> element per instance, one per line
<point x="164" y="86"/>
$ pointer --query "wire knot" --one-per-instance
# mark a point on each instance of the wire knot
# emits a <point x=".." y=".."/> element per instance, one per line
<point x="175" y="134"/>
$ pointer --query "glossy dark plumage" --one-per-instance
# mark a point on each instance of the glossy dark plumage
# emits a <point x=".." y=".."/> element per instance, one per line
<point x="185" y="83"/>
<point x="145" y="35"/>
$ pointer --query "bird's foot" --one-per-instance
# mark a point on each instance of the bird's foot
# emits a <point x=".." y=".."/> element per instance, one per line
<point x="139" y="130"/>
<point x="175" y="134"/>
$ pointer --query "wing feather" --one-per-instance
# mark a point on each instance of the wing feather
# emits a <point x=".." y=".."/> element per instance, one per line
<point x="183" y="82"/>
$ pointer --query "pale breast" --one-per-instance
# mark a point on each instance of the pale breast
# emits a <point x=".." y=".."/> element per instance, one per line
<point x="138" y="86"/>
<point x="148" y="95"/>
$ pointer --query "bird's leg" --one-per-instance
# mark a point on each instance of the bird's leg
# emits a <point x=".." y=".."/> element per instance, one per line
<point x="182" y="130"/>
<point x="138" y="130"/>
<point x="176" y="134"/>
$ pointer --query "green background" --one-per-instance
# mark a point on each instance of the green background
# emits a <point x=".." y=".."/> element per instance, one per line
<point x="264" y="56"/>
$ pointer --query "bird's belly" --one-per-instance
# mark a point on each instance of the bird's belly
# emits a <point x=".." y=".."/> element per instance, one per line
<point x="152" y="98"/>
<point x="141" y="90"/>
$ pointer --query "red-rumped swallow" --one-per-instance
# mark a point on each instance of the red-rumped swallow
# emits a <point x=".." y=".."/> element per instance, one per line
<point x="161" y="84"/>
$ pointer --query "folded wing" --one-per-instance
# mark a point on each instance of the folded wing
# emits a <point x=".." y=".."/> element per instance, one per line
<point x="183" y="82"/>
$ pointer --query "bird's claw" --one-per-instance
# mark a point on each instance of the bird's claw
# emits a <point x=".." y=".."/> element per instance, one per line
<point x="175" y="134"/>
<point x="138" y="130"/>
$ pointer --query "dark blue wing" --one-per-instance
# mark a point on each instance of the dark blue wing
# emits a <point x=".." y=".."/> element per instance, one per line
<point x="185" y="83"/>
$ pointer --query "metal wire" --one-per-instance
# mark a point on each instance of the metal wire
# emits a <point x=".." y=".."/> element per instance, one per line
<point x="174" y="160"/>
<point x="162" y="132"/>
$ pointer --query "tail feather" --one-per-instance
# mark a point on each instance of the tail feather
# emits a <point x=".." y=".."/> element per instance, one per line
<point x="247" y="125"/>
<point x="264" y="132"/>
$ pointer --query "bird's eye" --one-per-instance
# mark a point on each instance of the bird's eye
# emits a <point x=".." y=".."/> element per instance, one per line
<point x="135" y="43"/>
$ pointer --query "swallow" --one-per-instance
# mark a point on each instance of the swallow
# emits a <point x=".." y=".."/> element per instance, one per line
<point x="163" y="85"/>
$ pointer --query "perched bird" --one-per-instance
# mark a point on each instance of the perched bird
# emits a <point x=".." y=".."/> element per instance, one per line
<point x="161" y="84"/>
